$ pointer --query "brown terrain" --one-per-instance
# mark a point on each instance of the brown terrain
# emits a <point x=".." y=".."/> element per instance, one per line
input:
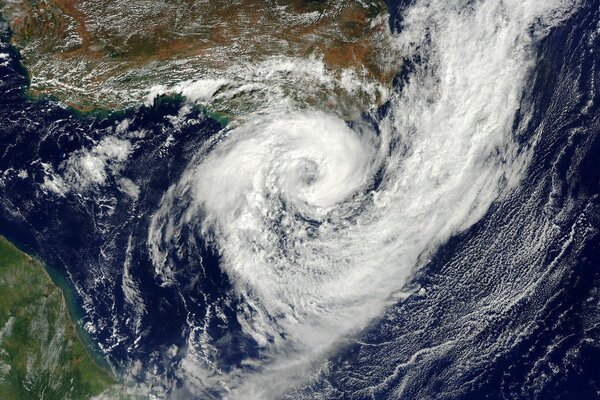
<point x="86" y="51"/>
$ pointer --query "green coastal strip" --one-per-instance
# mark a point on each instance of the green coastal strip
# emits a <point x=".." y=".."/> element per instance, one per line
<point x="41" y="356"/>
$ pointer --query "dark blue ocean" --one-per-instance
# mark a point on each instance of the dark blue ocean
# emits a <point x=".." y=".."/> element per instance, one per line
<point x="541" y="246"/>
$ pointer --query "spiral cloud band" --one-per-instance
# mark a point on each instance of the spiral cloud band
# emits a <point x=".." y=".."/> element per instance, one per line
<point x="319" y="221"/>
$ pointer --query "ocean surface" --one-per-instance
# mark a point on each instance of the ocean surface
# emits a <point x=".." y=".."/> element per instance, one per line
<point x="507" y="308"/>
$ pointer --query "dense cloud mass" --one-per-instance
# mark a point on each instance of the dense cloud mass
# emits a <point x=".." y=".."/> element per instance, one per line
<point x="434" y="238"/>
<point x="318" y="221"/>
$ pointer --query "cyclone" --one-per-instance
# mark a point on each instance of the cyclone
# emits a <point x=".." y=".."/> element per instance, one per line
<point x="318" y="221"/>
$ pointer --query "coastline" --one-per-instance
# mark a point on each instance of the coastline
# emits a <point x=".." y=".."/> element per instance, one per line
<point x="32" y="299"/>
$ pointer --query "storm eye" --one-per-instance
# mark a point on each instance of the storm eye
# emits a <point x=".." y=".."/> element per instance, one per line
<point x="310" y="174"/>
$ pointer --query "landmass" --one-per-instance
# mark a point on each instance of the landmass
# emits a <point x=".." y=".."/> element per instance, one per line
<point x="41" y="355"/>
<point x="112" y="54"/>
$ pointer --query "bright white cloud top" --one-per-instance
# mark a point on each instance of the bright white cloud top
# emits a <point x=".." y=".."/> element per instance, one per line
<point x="319" y="221"/>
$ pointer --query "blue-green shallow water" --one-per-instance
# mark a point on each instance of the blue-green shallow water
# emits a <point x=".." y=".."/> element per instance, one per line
<point x="63" y="230"/>
<point x="505" y="311"/>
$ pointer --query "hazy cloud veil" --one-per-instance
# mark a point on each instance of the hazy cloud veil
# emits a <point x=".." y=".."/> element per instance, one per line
<point x="319" y="221"/>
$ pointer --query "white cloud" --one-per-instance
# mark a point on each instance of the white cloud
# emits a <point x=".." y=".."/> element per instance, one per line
<point x="86" y="169"/>
<point x="312" y="249"/>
